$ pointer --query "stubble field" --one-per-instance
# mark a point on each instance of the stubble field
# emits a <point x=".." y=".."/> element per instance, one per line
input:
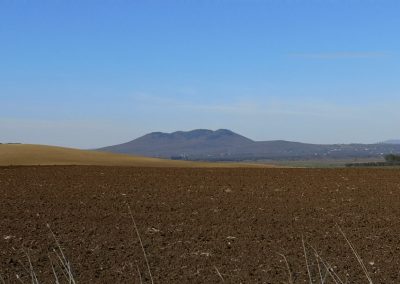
<point x="199" y="225"/>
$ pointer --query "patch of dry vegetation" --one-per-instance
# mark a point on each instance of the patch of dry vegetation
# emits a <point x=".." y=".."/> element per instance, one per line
<point x="27" y="154"/>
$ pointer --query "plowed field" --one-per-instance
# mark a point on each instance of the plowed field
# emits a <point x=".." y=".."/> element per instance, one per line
<point x="200" y="225"/>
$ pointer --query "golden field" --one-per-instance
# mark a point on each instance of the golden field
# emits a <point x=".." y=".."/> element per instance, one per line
<point x="29" y="154"/>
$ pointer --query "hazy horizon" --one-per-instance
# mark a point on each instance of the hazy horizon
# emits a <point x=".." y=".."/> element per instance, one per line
<point x="95" y="73"/>
<point x="389" y="141"/>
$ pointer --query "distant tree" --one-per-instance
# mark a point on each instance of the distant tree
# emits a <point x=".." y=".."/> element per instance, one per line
<point x="391" y="158"/>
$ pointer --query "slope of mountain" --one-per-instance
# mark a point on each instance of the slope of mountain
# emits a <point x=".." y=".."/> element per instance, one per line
<point x="393" y="141"/>
<point x="225" y="145"/>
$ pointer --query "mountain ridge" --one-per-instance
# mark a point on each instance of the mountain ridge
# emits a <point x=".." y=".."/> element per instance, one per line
<point x="391" y="141"/>
<point x="226" y="145"/>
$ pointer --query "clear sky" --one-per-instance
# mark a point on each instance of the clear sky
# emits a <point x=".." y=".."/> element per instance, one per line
<point x="92" y="73"/>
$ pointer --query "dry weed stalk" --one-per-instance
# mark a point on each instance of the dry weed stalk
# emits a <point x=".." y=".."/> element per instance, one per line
<point x="63" y="262"/>
<point x="141" y="244"/>
<point x="357" y="256"/>
<point x="219" y="274"/>
<point x="140" y="274"/>
<point x="290" y="280"/>
<point x="325" y="269"/>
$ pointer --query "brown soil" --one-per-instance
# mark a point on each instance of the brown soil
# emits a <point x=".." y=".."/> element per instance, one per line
<point x="198" y="223"/>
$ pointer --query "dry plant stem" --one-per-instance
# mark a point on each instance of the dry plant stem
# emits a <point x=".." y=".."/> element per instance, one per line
<point x="141" y="244"/>
<point x="308" y="266"/>
<point x="31" y="270"/>
<point x="219" y="274"/>
<point x="322" y="278"/>
<point x="357" y="256"/>
<point x="288" y="268"/>
<point x="28" y="271"/>
<point x="333" y="274"/>
<point x="329" y="270"/>
<point x="63" y="267"/>
<point x="24" y="267"/>
<point x="319" y="261"/>
<point x="63" y="260"/>
<point x="319" y="270"/>
<point x="54" y="271"/>
<point x="140" y="274"/>
<point x="19" y="279"/>
<point x="2" y="281"/>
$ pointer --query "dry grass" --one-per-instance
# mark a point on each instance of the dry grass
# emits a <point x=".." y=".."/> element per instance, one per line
<point x="27" y="154"/>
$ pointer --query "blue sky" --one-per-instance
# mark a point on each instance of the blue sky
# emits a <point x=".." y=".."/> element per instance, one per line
<point x="97" y="72"/>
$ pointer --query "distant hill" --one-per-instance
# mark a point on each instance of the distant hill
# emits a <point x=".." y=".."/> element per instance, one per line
<point x="182" y="144"/>
<point x="25" y="154"/>
<point x="394" y="141"/>
<point x="225" y="145"/>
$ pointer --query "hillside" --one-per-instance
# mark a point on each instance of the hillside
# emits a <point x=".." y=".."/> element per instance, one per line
<point x="392" y="141"/>
<point x="25" y="154"/>
<point x="225" y="145"/>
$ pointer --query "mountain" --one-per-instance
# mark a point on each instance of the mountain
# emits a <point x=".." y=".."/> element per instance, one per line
<point x="393" y="141"/>
<point x="225" y="145"/>
<point x="197" y="142"/>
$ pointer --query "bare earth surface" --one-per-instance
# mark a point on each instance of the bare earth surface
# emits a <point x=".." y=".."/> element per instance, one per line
<point x="199" y="225"/>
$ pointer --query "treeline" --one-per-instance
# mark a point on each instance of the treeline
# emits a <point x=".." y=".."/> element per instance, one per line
<point x="391" y="158"/>
<point x="390" y="161"/>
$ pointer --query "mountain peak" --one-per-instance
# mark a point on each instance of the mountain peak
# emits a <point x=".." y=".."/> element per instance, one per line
<point x="195" y="134"/>
<point x="225" y="132"/>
